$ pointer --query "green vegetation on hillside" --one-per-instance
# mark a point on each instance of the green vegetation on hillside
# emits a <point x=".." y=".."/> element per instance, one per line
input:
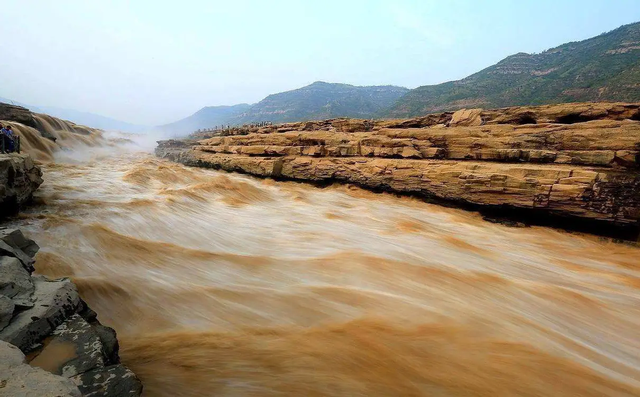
<point x="207" y="117"/>
<point x="316" y="101"/>
<point x="322" y="100"/>
<point x="603" y="68"/>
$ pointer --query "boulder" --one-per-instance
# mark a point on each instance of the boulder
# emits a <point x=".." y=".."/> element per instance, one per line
<point x="19" y="178"/>
<point x="6" y="311"/>
<point x="466" y="118"/>
<point x="26" y="261"/>
<point x="16" y="239"/>
<point x="19" y="379"/>
<point x="53" y="302"/>
<point x="15" y="282"/>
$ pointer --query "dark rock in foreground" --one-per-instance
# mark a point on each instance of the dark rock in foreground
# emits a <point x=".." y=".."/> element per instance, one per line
<point x="19" y="179"/>
<point x="70" y="352"/>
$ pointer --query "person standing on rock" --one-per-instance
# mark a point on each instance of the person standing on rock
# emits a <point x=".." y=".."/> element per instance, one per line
<point x="9" y="139"/>
<point x="5" y="139"/>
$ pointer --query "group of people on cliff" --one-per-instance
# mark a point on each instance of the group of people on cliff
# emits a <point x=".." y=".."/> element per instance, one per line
<point x="8" y="139"/>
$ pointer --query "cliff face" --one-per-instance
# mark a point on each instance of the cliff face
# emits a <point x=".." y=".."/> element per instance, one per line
<point x="576" y="161"/>
<point x="19" y="178"/>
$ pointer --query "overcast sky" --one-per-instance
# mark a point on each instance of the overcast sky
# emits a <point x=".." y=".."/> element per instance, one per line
<point x="152" y="62"/>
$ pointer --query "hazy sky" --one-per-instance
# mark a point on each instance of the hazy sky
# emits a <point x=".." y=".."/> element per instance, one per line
<point x="152" y="62"/>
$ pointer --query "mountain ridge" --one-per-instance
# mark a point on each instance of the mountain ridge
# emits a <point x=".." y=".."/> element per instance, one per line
<point x="601" y="68"/>
<point x="316" y="101"/>
<point x="207" y="117"/>
<point x="321" y="100"/>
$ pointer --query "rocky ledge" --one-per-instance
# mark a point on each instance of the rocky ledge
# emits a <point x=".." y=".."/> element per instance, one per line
<point x="19" y="179"/>
<point x="68" y="352"/>
<point x="17" y="114"/>
<point x="566" y="165"/>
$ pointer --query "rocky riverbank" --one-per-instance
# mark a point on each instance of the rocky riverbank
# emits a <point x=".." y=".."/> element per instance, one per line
<point x="51" y="343"/>
<point x="68" y="352"/>
<point x="571" y="165"/>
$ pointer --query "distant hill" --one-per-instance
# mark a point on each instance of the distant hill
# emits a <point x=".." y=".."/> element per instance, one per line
<point x="207" y="117"/>
<point x="322" y="100"/>
<point x="90" y="119"/>
<point x="317" y="101"/>
<point x="603" y="68"/>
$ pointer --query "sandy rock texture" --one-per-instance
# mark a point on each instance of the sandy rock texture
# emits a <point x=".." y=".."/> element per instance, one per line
<point x="579" y="162"/>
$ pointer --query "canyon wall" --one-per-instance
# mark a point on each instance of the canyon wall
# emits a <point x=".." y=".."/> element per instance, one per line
<point x="578" y="163"/>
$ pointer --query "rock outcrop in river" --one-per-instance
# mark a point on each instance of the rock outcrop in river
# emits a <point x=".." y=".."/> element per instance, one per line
<point x="19" y="178"/>
<point x="574" y="164"/>
<point x="70" y="353"/>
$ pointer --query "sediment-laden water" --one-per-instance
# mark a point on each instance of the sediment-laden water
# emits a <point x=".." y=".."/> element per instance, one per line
<point x="226" y="285"/>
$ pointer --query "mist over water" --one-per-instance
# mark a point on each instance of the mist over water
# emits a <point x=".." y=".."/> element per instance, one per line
<point x="222" y="284"/>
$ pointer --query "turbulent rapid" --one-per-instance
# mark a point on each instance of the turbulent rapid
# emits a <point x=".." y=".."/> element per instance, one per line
<point x="222" y="284"/>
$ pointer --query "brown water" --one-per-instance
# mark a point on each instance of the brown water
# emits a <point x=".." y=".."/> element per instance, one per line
<point x="68" y="136"/>
<point x="226" y="285"/>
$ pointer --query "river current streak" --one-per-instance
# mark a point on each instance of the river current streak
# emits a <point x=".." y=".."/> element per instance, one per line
<point x="227" y="285"/>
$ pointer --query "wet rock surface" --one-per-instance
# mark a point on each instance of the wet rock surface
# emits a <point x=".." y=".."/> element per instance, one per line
<point x="70" y="352"/>
<point x="19" y="179"/>
<point x="115" y="380"/>
<point x="83" y="344"/>
<point x="17" y="378"/>
<point x="576" y="162"/>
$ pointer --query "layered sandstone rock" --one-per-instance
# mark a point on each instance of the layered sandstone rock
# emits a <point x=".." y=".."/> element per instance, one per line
<point x="70" y="353"/>
<point x="579" y="161"/>
<point x="17" y="114"/>
<point x="19" y="178"/>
